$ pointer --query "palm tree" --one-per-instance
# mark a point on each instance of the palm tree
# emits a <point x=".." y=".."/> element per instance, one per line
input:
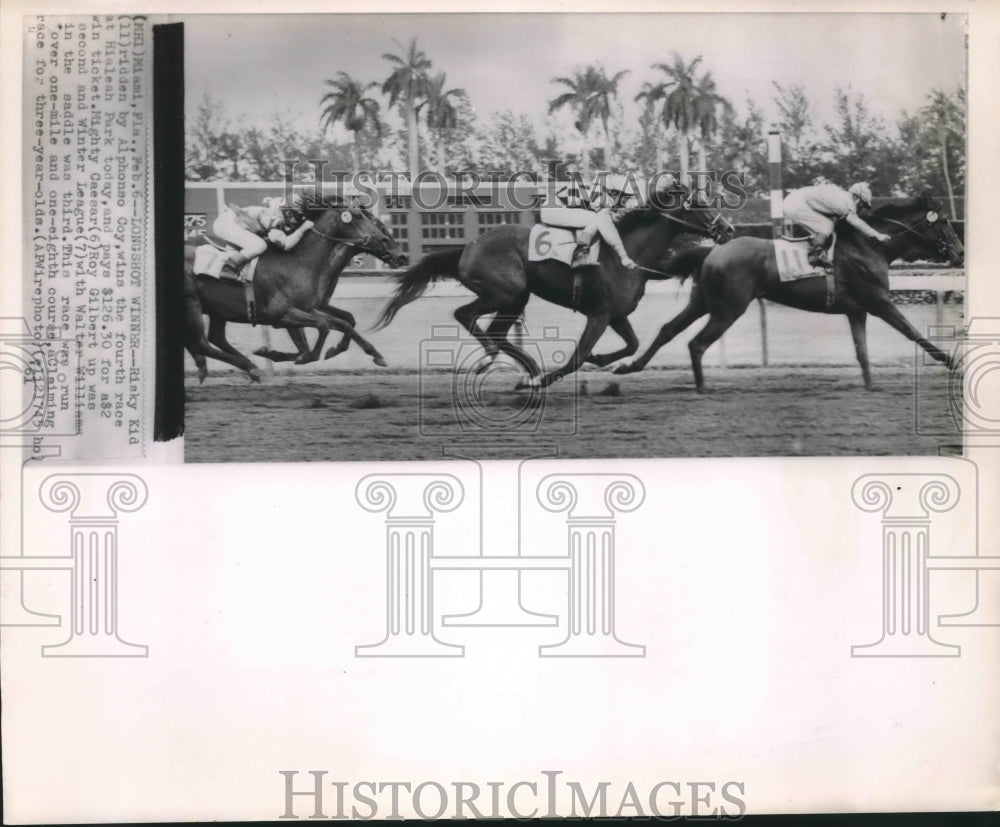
<point x="651" y="95"/>
<point x="689" y="104"/>
<point x="441" y="113"/>
<point x="707" y="103"/>
<point x="405" y="86"/>
<point x="606" y="92"/>
<point x="347" y="102"/>
<point x="582" y="87"/>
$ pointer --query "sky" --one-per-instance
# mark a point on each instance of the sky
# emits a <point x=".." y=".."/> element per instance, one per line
<point x="261" y="64"/>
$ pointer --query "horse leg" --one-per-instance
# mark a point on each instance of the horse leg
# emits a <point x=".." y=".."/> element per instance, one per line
<point x="694" y="310"/>
<point x="468" y="314"/>
<point x="200" y="362"/>
<point x="217" y="335"/>
<point x="623" y="327"/>
<point x="498" y="329"/>
<point x="596" y="325"/>
<point x="236" y="359"/>
<point x="888" y="312"/>
<point x="345" y="340"/>
<point x="857" y="321"/>
<point x="339" y="321"/>
<point x="197" y="343"/>
<point x="294" y="317"/>
<point x="717" y="325"/>
<point x="298" y="337"/>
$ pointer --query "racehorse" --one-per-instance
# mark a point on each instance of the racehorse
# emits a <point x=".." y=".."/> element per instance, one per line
<point x="291" y="290"/>
<point x="729" y="277"/>
<point x="495" y="267"/>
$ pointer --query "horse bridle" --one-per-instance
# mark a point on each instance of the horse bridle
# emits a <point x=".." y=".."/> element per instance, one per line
<point x="352" y="242"/>
<point x="694" y="227"/>
<point x="363" y="243"/>
<point x="942" y="243"/>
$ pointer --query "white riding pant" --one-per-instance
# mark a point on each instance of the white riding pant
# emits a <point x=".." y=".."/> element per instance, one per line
<point x="227" y="227"/>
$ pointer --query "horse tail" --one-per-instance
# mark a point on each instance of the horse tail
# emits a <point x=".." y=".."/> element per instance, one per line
<point x="687" y="262"/>
<point x="415" y="280"/>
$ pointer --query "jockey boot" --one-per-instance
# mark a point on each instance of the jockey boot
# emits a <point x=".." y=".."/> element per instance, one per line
<point x="237" y="261"/>
<point x="817" y="248"/>
<point x="581" y="254"/>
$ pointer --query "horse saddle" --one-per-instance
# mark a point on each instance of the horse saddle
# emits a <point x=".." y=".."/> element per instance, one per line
<point x="546" y="242"/>
<point x="792" y="258"/>
<point x="212" y="259"/>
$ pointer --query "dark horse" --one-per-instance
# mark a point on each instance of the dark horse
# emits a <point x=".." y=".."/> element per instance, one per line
<point x="728" y="278"/>
<point x="495" y="267"/>
<point x="291" y="290"/>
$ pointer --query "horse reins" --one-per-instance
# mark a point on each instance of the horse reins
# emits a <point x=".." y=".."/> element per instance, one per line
<point x="942" y="244"/>
<point x="906" y="227"/>
<point x="363" y="242"/>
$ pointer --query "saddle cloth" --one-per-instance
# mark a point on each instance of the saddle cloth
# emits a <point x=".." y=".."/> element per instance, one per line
<point x="209" y="261"/>
<point x="546" y="242"/>
<point x="793" y="260"/>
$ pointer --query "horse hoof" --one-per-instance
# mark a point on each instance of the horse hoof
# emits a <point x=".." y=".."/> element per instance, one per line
<point x="254" y="375"/>
<point x="378" y="360"/>
<point x="202" y="375"/>
<point x="482" y="365"/>
<point x="621" y="369"/>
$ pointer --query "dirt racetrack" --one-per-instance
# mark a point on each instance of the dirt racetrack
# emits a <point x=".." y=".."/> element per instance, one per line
<point x="363" y="416"/>
<point x="809" y="402"/>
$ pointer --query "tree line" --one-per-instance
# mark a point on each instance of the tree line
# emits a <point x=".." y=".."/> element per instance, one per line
<point x="681" y="113"/>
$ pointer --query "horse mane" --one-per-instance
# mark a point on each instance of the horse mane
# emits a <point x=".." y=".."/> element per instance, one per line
<point x="311" y="206"/>
<point x="636" y="217"/>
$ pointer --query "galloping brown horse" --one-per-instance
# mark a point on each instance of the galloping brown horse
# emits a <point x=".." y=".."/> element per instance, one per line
<point x="729" y="277"/>
<point x="291" y="290"/>
<point x="495" y="267"/>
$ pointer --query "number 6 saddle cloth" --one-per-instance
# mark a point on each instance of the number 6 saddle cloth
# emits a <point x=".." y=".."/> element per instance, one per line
<point x="558" y="243"/>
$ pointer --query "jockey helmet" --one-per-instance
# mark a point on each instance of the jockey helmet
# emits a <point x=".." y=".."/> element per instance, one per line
<point x="862" y="192"/>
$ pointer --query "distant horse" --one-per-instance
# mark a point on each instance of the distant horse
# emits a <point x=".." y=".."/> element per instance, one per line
<point x="291" y="290"/>
<point x="495" y="267"/>
<point x="729" y="277"/>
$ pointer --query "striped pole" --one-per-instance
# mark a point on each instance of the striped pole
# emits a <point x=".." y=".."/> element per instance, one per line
<point x="774" y="169"/>
<point x="777" y="220"/>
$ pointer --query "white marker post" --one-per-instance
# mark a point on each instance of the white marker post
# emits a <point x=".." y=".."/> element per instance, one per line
<point x="777" y="220"/>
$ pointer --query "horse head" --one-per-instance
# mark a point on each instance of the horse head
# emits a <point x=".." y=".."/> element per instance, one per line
<point x="354" y="224"/>
<point x="929" y="234"/>
<point x="944" y="238"/>
<point x="692" y="211"/>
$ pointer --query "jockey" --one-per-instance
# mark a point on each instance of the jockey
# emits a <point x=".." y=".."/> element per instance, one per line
<point x="592" y="214"/>
<point x="816" y="208"/>
<point x="247" y="228"/>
